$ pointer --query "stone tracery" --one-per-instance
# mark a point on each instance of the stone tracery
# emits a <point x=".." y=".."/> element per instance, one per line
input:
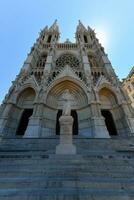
<point x="67" y="59"/>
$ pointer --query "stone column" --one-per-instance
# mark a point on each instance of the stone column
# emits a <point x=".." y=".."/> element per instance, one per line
<point x="66" y="146"/>
<point x="128" y="116"/>
<point x="98" y="123"/>
<point x="34" y="126"/>
<point x="4" y="119"/>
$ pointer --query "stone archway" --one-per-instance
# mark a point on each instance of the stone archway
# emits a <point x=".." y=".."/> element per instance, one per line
<point x="78" y="103"/>
<point x="25" y="103"/>
<point x="27" y="113"/>
<point x="77" y="92"/>
<point x="109" y="122"/>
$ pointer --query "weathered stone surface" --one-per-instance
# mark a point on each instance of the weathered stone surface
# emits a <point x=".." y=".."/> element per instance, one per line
<point x="30" y="169"/>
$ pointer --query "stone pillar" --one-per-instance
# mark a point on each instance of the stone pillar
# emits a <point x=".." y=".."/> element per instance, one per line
<point x="107" y="65"/>
<point x="98" y="123"/>
<point x="34" y="126"/>
<point x="4" y="119"/>
<point x="66" y="146"/>
<point x="128" y="116"/>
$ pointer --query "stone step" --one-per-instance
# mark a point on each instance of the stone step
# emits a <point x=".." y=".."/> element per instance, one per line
<point x="61" y="178"/>
<point x="48" y="184"/>
<point x="57" y="167"/>
<point x="46" y="162"/>
<point x="60" y="168"/>
<point x="44" y="154"/>
<point x="70" y="197"/>
<point x="83" y="144"/>
<point x="58" y="193"/>
<point x="29" y="170"/>
<point x="65" y="174"/>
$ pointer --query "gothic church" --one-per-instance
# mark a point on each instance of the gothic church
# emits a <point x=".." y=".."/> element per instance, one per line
<point x="99" y="106"/>
<point x="42" y="156"/>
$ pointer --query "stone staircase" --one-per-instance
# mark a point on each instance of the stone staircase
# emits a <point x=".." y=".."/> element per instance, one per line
<point x="103" y="169"/>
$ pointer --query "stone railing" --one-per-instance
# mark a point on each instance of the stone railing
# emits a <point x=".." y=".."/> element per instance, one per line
<point x="98" y="71"/>
<point x="88" y="46"/>
<point x="37" y="71"/>
<point x="66" y="46"/>
<point x="46" y="46"/>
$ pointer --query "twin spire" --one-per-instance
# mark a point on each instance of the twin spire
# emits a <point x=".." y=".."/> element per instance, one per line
<point x="54" y="28"/>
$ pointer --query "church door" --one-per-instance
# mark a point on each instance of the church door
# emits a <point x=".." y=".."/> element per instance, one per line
<point x="75" y="123"/>
<point x="57" y="122"/>
<point x="109" y="122"/>
<point x="27" y="113"/>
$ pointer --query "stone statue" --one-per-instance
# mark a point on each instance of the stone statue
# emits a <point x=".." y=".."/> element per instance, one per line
<point x="67" y="109"/>
<point x="66" y="123"/>
<point x="67" y="98"/>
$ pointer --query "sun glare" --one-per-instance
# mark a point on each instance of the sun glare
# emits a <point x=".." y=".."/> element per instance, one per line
<point x="102" y="36"/>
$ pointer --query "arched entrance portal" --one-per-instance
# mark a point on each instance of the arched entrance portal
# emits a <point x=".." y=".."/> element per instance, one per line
<point x="78" y="99"/>
<point x="109" y="122"/>
<point x="25" y="103"/>
<point x="75" y="123"/>
<point x="109" y="110"/>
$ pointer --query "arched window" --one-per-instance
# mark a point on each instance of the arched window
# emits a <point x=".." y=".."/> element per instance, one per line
<point x="67" y="59"/>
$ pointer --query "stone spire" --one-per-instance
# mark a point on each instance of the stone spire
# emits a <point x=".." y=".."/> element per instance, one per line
<point x="54" y="27"/>
<point x="81" y="27"/>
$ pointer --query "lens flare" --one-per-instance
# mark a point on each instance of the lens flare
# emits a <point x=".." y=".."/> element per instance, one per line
<point x="102" y="36"/>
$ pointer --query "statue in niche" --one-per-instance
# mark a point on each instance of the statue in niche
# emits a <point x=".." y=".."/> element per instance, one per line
<point x="67" y="98"/>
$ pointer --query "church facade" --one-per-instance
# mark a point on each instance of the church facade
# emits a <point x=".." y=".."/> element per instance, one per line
<point x="99" y="105"/>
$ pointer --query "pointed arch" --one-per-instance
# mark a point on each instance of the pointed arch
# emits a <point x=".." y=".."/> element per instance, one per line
<point x="104" y="83"/>
<point x="26" y="97"/>
<point x="57" y="88"/>
<point x="107" y="96"/>
<point x="24" y="87"/>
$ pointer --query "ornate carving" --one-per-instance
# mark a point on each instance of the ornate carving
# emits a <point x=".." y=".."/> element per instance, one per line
<point x="67" y="59"/>
<point x="42" y="61"/>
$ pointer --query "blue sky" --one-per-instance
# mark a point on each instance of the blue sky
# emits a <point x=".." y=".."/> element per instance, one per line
<point x="21" y="21"/>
